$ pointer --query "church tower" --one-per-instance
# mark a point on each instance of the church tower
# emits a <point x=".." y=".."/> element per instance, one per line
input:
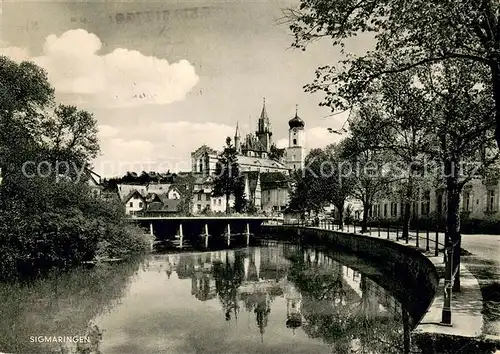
<point x="295" y="153"/>
<point x="264" y="133"/>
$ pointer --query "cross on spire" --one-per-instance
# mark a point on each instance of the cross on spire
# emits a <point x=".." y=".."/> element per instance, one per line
<point x="296" y="110"/>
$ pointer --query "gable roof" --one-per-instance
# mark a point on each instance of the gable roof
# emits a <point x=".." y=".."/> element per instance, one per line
<point x="164" y="204"/>
<point x="131" y="194"/>
<point x="261" y="161"/>
<point x="253" y="178"/>
<point x="180" y="188"/>
<point x="152" y="197"/>
<point x="204" y="149"/>
<point x="271" y="180"/>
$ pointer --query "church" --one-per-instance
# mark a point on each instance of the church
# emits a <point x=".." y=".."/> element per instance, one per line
<point x="265" y="167"/>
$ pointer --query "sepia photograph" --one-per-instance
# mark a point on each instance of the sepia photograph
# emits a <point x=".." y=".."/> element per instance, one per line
<point x="249" y="176"/>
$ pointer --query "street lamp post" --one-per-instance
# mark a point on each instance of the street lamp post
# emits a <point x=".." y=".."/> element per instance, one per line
<point x="448" y="280"/>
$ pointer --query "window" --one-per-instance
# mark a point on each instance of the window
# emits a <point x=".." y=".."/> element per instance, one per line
<point x="491" y="206"/>
<point x="439" y="204"/>
<point x="466" y="201"/>
<point x="269" y="197"/>
<point x="208" y="197"/>
<point x="199" y="207"/>
<point x="394" y="209"/>
<point x="294" y="141"/>
<point x="385" y="210"/>
<point x="131" y="204"/>
<point x="219" y="201"/>
<point x="425" y="205"/>
<point x="140" y="204"/>
<point x="199" y="196"/>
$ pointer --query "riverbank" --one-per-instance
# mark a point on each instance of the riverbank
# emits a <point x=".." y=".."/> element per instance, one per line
<point x="468" y="325"/>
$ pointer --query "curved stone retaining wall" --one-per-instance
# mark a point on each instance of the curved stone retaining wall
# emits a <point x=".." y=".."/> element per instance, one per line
<point x="410" y="275"/>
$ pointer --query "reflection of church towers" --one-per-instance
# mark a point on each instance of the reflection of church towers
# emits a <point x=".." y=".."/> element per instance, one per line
<point x="293" y="306"/>
<point x="262" y="311"/>
<point x="252" y="266"/>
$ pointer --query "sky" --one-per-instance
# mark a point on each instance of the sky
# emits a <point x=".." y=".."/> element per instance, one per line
<point x="163" y="78"/>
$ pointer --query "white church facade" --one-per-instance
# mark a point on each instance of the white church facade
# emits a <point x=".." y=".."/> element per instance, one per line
<point x="265" y="167"/>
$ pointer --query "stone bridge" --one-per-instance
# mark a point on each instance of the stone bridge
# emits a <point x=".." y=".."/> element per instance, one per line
<point x="202" y="232"/>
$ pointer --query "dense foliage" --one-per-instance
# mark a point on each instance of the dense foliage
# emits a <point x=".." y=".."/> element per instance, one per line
<point x="405" y="35"/>
<point x="228" y="179"/>
<point x="428" y="89"/>
<point x="48" y="215"/>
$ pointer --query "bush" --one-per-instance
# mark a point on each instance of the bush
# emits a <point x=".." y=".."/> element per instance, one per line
<point x="61" y="225"/>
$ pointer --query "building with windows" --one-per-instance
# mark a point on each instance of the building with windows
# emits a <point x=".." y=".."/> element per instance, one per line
<point x="479" y="200"/>
<point x="265" y="168"/>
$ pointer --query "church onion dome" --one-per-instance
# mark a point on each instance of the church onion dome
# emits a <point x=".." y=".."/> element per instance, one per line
<point x="296" y="122"/>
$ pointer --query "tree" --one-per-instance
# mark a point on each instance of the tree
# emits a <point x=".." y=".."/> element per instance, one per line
<point x="185" y="205"/>
<point x="240" y="199"/>
<point x="340" y="185"/>
<point x="71" y="135"/>
<point x="371" y="172"/>
<point x="463" y="130"/>
<point x="393" y="119"/>
<point x="328" y="182"/>
<point x="305" y="195"/>
<point x="227" y="174"/>
<point x="45" y="221"/>
<point x="406" y="34"/>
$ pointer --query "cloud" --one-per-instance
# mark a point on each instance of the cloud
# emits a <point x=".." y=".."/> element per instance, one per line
<point x="163" y="146"/>
<point x="107" y="131"/>
<point x="156" y="146"/>
<point x="15" y="53"/>
<point x="120" y="78"/>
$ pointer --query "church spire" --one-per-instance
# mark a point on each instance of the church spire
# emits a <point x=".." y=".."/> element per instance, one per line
<point x="237" y="140"/>
<point x="263" y="114"/>
<point x="264" y="133"/>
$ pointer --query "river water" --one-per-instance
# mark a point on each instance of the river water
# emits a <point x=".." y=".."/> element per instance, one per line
<point x="278" y="298"/>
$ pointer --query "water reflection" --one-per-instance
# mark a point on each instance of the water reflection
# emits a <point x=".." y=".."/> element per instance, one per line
<point x="279" y="298"/>
<point x="318" y="295"/>
<point x="63" y="304"/>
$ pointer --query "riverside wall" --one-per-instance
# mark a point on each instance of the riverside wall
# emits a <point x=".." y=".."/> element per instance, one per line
<point x="404" y="270"/>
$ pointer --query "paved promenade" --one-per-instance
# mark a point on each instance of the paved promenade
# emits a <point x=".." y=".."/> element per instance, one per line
<point x="476" y="308"/>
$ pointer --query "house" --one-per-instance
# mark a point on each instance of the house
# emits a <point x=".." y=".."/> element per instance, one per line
<point x="134" y="202"/>
<point x="202" y="192"/>
<point x="275" y="191"/>
<point x="158" y="188"/>
<point x="161" y="204"/>
<point x="479" y="200"/>
<point x="125" y="189"/>
<point x="94" y="182"/>
<point x="176" y="191"/>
